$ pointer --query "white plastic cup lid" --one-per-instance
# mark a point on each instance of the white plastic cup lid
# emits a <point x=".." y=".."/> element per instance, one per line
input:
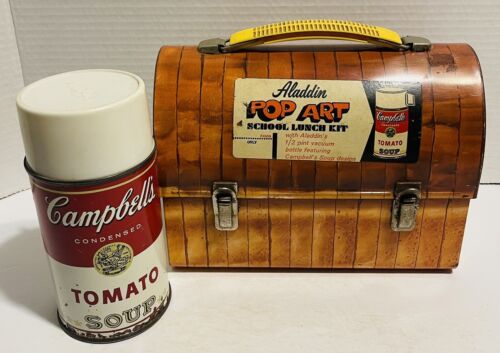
<point x="85" y="125"/>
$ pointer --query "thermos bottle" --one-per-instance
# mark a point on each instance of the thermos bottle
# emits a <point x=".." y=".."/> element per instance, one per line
<point x="91" y="159"/>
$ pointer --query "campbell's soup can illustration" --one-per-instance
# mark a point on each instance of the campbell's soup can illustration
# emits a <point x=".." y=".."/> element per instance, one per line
<point x="91" y="159"/>
<point x="391" y="122"/>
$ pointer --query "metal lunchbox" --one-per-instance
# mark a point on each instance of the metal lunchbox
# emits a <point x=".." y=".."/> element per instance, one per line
<point x="311" y="156"/>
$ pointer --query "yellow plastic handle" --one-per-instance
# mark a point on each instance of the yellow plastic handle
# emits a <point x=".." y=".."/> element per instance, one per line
<point x="313" y="29"/>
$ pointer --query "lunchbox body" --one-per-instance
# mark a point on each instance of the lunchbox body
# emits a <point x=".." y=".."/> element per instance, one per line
<point x="316" y="214"/>
<point x="324" y="233"/>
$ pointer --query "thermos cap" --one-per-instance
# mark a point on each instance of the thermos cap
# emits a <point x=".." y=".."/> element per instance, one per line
<point x="393" y="98"/>
<point x="86" y="124"/>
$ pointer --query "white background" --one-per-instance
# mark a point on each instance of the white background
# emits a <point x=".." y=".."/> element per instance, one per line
<point x="59" y="35"/>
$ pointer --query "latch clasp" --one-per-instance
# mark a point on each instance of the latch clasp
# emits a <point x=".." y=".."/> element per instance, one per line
<point x="405" y="206"/>
<point x="225" y="203"/>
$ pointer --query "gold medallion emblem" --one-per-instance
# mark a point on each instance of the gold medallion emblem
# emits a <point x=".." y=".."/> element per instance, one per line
<point x="390" y="132"/>
<point x="113" y="259"/>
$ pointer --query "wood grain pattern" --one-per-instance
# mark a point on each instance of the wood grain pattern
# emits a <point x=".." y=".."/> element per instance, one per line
<point x="174" y="227"/>
<point x="258" y="233"/>
<point x="257" y="180"/>
<point x="237" y="241"/>
<point x="194" y="232"/>
<point x="301" y="235"/>
<point x="349" y="174"/>
<point x="326" y="173"/>
<point x="454" y="227"/>
<point x="346" y="219"/>
<point x="279" y="218"/>
<point x="165" y="114"/>
<point x="369" y="218"/>
<point x="188" y="119"/>
<point x="408" y="243"/>
<point x="337" y="238"/>
<point x="373" y="176"/>
<point x="387" y="239"/>
<point x="447" y="120"/>
<point x="472" y="121"/>
<point x="211" y="120"/>
<point x="419" y="71"/>
<point x="323" y="233"/>
<point x="431" y="233"/>
<point x="233" y="169"/>
<point x="452" y="123"/>
<point x="257" y="170"/>
<point x="305" y="214"/>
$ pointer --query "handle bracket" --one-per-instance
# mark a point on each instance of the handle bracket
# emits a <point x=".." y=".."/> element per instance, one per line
<point x="417" y="44"/>
<point x="212" y="46"/>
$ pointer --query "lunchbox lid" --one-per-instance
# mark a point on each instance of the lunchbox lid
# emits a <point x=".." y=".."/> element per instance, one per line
<point x="194" y="106"/>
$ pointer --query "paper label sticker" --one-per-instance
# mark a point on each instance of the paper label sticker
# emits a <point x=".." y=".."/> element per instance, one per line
<point x="327" y="120"/>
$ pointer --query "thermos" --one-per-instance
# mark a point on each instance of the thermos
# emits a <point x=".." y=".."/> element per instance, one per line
<point x="91" y="159"/>
<point x="391" y="122"/>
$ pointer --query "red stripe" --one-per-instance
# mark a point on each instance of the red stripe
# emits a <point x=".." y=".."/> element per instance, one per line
<point x="63" y="206"/>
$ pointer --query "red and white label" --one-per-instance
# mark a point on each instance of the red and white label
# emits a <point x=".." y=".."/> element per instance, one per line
<point x="391" y="133"/>
<point x="106" y="248"/>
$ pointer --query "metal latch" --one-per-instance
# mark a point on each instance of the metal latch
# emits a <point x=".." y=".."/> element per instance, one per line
<point x="405" y="206"/>
<point x="225" y="203"/>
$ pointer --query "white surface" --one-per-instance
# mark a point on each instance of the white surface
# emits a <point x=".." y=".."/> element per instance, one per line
<point x="61" y="35"/>
<point x="275" y="312"/>
<point x="85" y="124"/>
<point x="12" y="175"/>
